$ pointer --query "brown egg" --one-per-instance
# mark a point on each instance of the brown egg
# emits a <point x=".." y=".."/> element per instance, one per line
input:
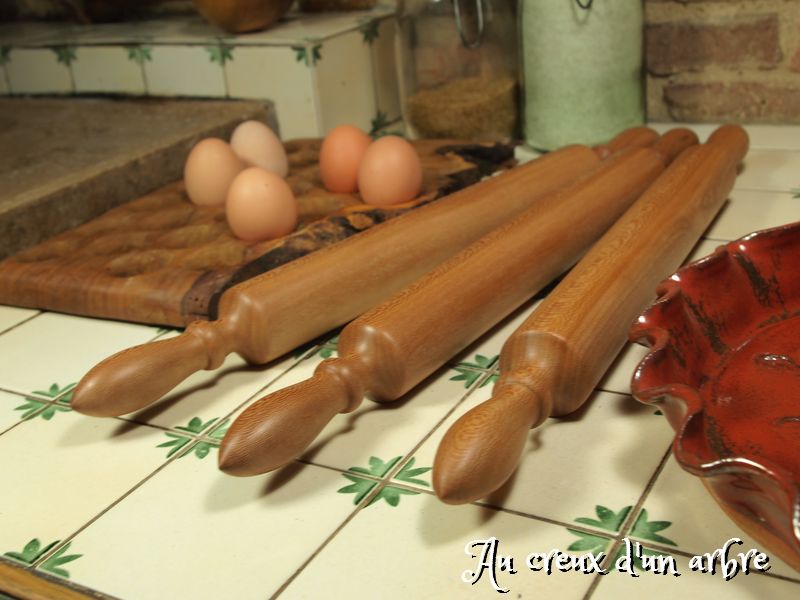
<point x="257" y="146"/>
<point x="390" y="172"/>
<point x="260" y="206"/>
<point x="209" y="170"/>
<point x="340" y="157"/>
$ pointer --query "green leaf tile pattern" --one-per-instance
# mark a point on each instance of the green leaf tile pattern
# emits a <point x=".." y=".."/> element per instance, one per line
<point x="38" y="407"/>
<point x="65" y="54"/>
<point x="220" y="54"/>
<point x="53" y="564"/>
<point x="647" y="530"/>
<point x="795" y="192"/>
<point x="612" y="521"/>
<point x="370" y="30"/>
<point x="379" y="124"/>
<point x="163" y="330"/>
<point x="377" y="467"/>
<point x="588" y="542"/>
<point x="367" y="479"/>
<point x="5" y="55"/>
<point x="140" y="55"/>
<point x="329" y="348"/>
<point x="303" y="55"/>
<point x="470" y="372"/>
<point x="34" y="550"/>
<point x="409" y="474"/>
<point x="606" y="518"/>
<point x="194" y="433"/>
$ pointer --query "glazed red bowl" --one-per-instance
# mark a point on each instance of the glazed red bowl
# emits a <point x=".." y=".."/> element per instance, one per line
<point x="724" y="367"/>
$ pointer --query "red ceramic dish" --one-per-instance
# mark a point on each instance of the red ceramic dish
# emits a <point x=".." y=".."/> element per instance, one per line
<point x="724" y="367"/>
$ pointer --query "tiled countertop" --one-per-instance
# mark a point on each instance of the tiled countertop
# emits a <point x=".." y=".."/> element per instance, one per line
<point x="135" y="507"/>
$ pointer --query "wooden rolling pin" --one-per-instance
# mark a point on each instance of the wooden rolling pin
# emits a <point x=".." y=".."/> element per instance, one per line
<point x="391" y="348"/>
<point x="274" y="313"/>
<point x="554" y="360"/>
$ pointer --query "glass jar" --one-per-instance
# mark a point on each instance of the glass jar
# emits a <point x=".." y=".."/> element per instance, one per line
<point x="458" y="68"/>
<point x="582" y="70"/>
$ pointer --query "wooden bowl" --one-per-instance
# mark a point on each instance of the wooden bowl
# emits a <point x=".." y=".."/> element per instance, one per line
<point x="238" y="16"/>
<point x="724" y="367"/>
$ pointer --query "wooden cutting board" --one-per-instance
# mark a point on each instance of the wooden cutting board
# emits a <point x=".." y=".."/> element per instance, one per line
<point x="161" y="260"/>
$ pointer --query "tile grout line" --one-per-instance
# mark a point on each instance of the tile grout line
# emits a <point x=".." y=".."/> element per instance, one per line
<point x="87" y="524"/>
<point x="627" y="525"/>
<point x="20" y="323"/>
<point x="381" y="484"/>
<point x="363" y="504"/>
<point x="479" y="383"/>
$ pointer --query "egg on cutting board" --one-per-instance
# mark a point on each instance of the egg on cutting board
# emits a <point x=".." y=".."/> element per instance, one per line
<point x="260" y="206"/>
<point x="340" y="158"/>
<point x="209" y="170"/>
<point x="390" y="172"/>
<point x="257" y="146"/>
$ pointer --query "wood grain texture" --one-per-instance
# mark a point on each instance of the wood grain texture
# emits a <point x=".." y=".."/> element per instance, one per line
<point x="27" y="584"/>
<point x="269" y="315"/>
<point x="162" y="260"/>
<point x="391" y="348"/>
<point x="553" y="361"/>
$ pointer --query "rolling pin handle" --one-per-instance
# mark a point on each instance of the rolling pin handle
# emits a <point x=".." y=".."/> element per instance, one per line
<point x="674" y="142"/>
<point x="482" y="448"/>
<point x="635" y="137"/>
<point x="137" y="377"/>
<point x="278" y="428"/>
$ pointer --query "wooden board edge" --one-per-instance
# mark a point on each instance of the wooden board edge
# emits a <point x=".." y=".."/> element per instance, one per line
<point x="27" y="584"/>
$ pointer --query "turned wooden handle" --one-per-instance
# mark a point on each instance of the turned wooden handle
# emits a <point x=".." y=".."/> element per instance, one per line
<point x="391" y="348"/>
<point x="134" y="378"/>
<point x="634" y="137"/>
<point x="273" y="313"/>
<point x="553" y="361"/>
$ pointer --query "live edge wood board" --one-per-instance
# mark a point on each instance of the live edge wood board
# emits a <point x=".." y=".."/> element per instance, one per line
<point x="161" y="260"/>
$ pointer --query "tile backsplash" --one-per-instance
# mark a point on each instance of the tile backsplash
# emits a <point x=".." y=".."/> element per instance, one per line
<point x="320" y="70"/>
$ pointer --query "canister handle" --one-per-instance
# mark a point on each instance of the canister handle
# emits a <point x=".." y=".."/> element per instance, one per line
<point x="479" y="36"/>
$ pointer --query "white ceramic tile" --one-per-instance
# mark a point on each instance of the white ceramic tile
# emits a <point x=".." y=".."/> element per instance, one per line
<point x="12" y="315"/>
<point x="384" y="68"/>
<point x="748" y="211"/>
<point x="192" y="532"/>
<point x="11" y="409"/>
<point x="569" y="465"/>
<point x="698" y="524"/>
<point x="344" y="82"/>
<point x="58" y="474"/>
<point x="770" y="170"/>
<point x="417" y="550"/>
<point x="618" y="376"/>
<point x="107" y="69"/>
<point x="702" y="249"/>
<point x="54" y="348"/>
<point x="37" y="71"/>
<point x="276" y="74"/>
<point x="185" y="71"/>
<point x="693" y="585"/>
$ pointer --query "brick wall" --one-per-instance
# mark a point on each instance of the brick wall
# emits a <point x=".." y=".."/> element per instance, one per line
<point x="731" y="60"/>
